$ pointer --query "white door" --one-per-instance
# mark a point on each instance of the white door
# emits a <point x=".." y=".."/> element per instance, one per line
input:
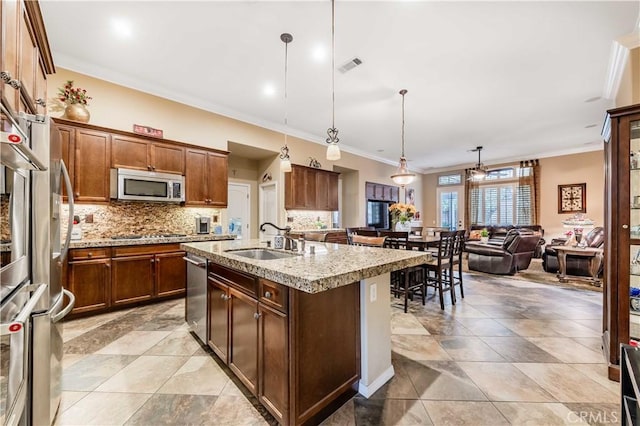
<point x="451" y="207"/>
<point x="268" y="208"/>
<point x="239" y="209"/>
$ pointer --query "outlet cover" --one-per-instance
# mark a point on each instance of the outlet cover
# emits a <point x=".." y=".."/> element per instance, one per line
<point x="373" y="292"/>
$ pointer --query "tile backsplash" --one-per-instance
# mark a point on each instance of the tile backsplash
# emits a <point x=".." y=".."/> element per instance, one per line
<point x="121" y="218"/>
<point x="305" y="220"/>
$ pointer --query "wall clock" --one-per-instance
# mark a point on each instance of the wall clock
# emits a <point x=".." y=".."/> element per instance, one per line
<point x="572" y="198"/>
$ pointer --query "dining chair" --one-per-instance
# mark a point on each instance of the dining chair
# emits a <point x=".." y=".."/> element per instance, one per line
<point x="441" y="279"/>
<point x="362" y="240"/>
<point x="395" y="239"/>
<point x="315" y="236"/>
<point x="455" y="274"/>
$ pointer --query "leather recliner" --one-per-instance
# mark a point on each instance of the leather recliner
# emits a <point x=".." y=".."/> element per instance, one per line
<point x="513" y="255"/>
<point x="576" y="265"/>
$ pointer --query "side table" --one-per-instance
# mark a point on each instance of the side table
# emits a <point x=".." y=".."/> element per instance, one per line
<point x="594" y="255"/>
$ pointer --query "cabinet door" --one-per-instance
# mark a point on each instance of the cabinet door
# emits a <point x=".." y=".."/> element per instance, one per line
<point x="67" y="142"/>
<point x="196" y="177"/>
<point x="395" y="194"/>
<point x="370" y="190"/>
<point x="274" y="362"/>
<point x="333" y="192"/>
<point x="243" y="353"/>
<point x="28" y="59"/>
<point x="308" y="197"/>
<point x="322" y="191"/>
<point x="171" y="274"/>
<point x="218" y="318"/>
<point x="379" y="192"/>
<point x="91" y="166"/>
<point x="89" y="281"/>
<point x="9" y="38"/>
<point x="167" y="158"/>
<point x="130" y="153"/>
<point x="132" y="279"/>
<point x="217" y="179"/>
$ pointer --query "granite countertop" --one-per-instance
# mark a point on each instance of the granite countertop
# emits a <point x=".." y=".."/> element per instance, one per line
<point x="297" y="231"/>
<point x="332" y="265"/>
<point x="108" y="242"/>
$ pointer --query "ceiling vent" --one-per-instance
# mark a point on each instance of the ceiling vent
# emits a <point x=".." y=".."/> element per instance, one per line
<point x="350" y="65"/>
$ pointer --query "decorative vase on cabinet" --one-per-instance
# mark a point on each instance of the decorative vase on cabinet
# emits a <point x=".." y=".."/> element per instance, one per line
<point x="77" y="112"/>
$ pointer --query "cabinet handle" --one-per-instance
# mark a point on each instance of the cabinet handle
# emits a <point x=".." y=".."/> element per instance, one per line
<point x="148" y="166"/>
<point x="267" y="294"/>
<point x="5" y="76"/>
<point x="41" y="102"/>
<point x="625" y="226"/>
<point x="89" y="254"/>
<point x="224" y="297"/>
<point x="15" y="84"/>
<point x="257" y="315"/>
<point x="153" y="168"/>
<point x="151" y="260"/>
<point x="107" y="265"/>
<point x="77" y="194"/>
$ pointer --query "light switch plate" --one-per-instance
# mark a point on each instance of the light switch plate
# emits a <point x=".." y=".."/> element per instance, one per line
<point x="373" y="292"/>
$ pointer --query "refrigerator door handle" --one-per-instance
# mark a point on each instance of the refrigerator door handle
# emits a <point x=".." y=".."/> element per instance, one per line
<point x="63" y="313"/>
<point x="67" y="181"/>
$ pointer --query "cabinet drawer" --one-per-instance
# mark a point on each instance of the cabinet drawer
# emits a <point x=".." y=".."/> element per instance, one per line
<point x="235" y="278"/>
<point x="145" y="249"/>
<point x="274" y="294"/>
<point x="89" y="253"/>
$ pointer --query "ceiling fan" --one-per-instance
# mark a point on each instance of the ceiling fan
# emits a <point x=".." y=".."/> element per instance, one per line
<point x="479" y="172"/>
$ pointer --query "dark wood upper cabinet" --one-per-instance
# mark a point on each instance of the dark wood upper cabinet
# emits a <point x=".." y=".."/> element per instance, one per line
<point x="206" y="178"/>
<point x="67" y="135"/>
<point x="92" y="153"/>
<point x="141" y="154"/>
<point x="307" y="188"/>
<point x="381" y="192"/>
<point x="621" y="313"/>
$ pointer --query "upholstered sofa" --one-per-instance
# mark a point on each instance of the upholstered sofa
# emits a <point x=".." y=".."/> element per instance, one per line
<point x="498" y="232"/>
<point x="576" y="265"/>
<point x="512" y="254"/>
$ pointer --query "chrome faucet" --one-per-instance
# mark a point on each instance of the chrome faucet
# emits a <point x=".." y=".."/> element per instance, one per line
<point x="290" y="243"/>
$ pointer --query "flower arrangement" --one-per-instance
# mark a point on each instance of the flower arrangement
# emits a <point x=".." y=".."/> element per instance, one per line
<point x="70" y="95"/>
<point x="402" y="212"/>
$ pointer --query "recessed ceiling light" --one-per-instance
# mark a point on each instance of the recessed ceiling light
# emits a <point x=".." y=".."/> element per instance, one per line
<point x="589" y="126"/>
<point x="269" y="89"/>
<point x="380" y="150"/>
<point x="595" y="98"/>
<point x="121" y="27"/>
<point x="319" y="53"/>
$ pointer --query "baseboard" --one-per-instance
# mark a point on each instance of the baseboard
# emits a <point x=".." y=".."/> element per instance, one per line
<point x="369" y="390"/>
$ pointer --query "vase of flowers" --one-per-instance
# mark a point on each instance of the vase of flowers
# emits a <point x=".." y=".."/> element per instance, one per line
<point x="75" y="100"/>
<point x="401" y="215"/>
<point x="484" y="236"/>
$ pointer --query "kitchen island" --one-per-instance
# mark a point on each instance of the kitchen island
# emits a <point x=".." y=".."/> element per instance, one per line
<point x="305" y="331"/>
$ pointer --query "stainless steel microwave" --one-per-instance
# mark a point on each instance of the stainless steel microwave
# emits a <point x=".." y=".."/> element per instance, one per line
<point x="141" y="185"/>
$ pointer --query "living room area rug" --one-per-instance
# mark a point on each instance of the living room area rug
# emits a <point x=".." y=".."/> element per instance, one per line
<point x="535" y="273"/>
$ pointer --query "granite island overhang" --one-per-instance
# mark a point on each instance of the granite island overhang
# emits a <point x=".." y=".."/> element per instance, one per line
<point x="351" y="283"/>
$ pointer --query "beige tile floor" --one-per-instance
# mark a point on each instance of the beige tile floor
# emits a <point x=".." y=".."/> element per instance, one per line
<point x="510" y="352"/>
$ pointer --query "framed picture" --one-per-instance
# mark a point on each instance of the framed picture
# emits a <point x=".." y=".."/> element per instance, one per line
<point x="572" y="198"/>
<point x="410" y="196"/>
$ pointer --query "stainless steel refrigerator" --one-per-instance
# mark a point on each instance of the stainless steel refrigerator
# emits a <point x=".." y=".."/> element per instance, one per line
<point x="32" y="300"/>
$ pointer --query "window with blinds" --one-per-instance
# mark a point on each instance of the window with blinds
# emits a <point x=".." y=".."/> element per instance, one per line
<point x="500" y="203"/>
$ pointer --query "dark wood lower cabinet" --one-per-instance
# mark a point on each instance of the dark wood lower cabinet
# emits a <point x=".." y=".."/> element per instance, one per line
<point x="218" y="318"/>
<point x="90" y="282"/>
<point x="132" y="279"/>
<point x="170" y="274"/>
<point x="243" y="338"/>
<point x="298" y="352"/>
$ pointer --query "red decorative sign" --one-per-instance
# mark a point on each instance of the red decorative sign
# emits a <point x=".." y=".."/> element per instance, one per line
<point x="147" y="131"/>
<point x="15" y="327"/>
<point x="10" y="137"/>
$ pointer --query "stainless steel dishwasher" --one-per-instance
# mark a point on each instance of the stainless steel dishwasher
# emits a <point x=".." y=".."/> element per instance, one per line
<point x="197" y="295"/>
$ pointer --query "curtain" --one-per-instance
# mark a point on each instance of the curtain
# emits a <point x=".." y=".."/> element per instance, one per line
<point x="528" y="194"/>
<point x="470" y="200"/>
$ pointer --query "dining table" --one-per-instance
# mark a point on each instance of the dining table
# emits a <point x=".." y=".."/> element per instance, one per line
<point x="422" y="242"/>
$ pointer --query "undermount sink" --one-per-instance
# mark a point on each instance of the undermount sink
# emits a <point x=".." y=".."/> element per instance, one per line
<point x="261" y="254"/>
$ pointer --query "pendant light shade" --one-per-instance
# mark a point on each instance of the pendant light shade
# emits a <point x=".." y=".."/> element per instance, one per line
<point x="333" y="150"/>
<point x="285" y="161"/>
<point x="403" y="176"/>
<point x="479" y="172"/>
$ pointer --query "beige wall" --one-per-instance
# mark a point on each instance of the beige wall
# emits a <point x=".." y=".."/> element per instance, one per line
<point x="562" y="170"/>
<point x="629" y="91"/>
<point x="119" y="108"/>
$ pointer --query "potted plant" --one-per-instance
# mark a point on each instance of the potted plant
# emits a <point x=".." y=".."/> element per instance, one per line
<point x="484" y="236"/>
<point x="75" y="100"/>
<point x="401" y="214"/>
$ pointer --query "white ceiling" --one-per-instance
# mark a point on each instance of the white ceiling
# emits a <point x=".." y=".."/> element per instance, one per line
<point x="510" y="76"/>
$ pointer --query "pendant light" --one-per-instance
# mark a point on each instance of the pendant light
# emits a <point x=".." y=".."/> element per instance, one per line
<point x="479" y="172"/>
<point x="285" y="161"/>
<point x="333" y="150"/>
<point x="403" y="176"/>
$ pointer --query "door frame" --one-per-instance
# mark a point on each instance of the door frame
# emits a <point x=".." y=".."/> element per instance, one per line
<point x="247" y="232"/>
<point x="261" y="208"/>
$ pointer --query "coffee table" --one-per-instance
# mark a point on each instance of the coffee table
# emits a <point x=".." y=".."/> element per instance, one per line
<point x="594" y="255"/>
